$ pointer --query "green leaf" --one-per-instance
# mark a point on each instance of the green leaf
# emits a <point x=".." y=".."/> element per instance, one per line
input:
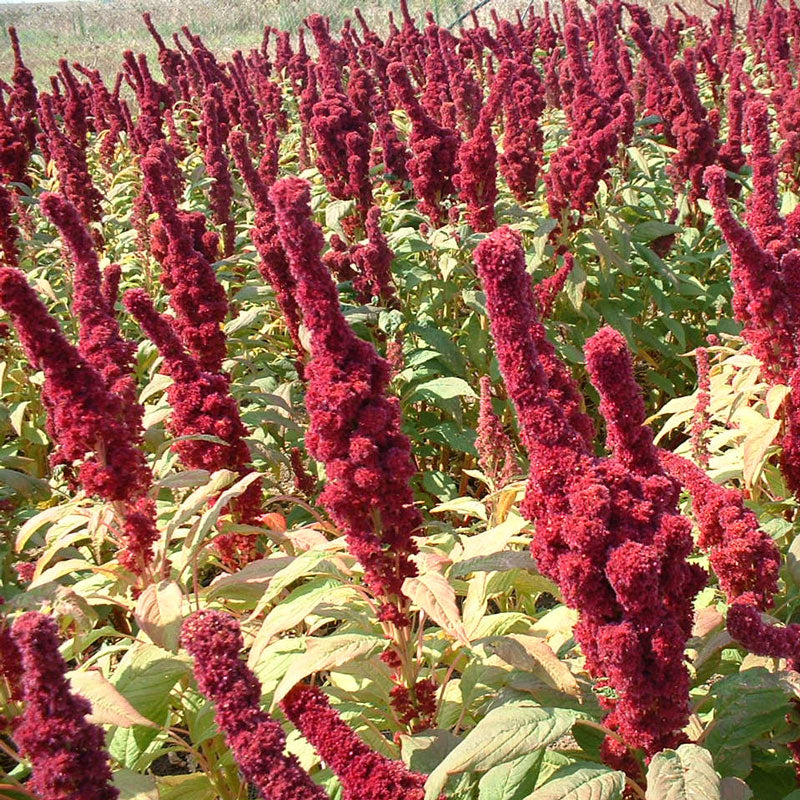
<point x="133" y="786"/>
<point x="145" y="677"/>
<point x="185" y="787"/>
<point x="513" y="780"/>
<point x="652" y="229"/>
<point x="504" y="734"/>
<point x="581" y="781"/>
<point x="747" y="705"/>
<point x="442" y="388"/>
<point x="444" y="345"/>
<point x="683" y="774"/>
<point x="325" y="654"/>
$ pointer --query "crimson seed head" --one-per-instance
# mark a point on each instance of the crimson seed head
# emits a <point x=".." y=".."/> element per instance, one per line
<point x="65" y="750"/>
<point x="354" y="427"/>
<point x="363" y="773"/>
<point x="257" y="741"/>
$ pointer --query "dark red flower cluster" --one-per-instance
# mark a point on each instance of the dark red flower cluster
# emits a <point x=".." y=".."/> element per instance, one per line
<point x="23" y="100"/>
<point x="221" y="191"/>
<point x="274" y="266"/>
<point x="195" y="295"/>
<point x="363" y="773"/>
<point x="547" y="290"/>
<point x="695" y="138"/>
<point x="578" y="166"/>
<point x="374" y="261"/>
<point x="354" y="428"/>
<point x="700" y="418"/>
<point x="496" y="454"/>
<point x="523" y="104"/>
<point x="202" y="405"/>
<point x="607" y="530"/>
<point x="766" y="293"/>
<point x="9" y="233"/>
<point x="65" y="750"/>
<point x="257" y="741"/>
<point x="434" y="148"/>
<point x="84" y="417"/>
<point x="14" y="148"/>
<point x="73" y="172"/>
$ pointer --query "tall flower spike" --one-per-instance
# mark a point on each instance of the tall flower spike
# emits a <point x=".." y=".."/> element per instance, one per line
<point x="202" y="404"/>
<point x="610" y="537"/>
<point x="66" y="750"/>
<point x="374" y="261"/>
<point x="83" y="415"/>
<point x="495" y="451"/>
<point x="100" y="342"/>
<point x="24" y="95"/>
<point x="220" y="191"/>
<point x="354" y="427"/>
<point x="363" y="773"/>
<point x="257" y="741"/>
<point x="9" y="233"/>
<point x="700" y="417"/>
<point x="196" y="296"/>
<point x="274" y="266"/>
<point x="434" y="149"/>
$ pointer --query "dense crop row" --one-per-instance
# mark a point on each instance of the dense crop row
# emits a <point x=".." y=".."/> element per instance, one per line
<point x="250" y="304"/>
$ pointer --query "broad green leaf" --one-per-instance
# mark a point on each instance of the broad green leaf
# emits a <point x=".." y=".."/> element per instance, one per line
<point x="582" y="782"/>
<point x="133" y="786"/>
<point x="432" y="593"/>
<point x="505" y="733"/>
<point x="159" y="613"/>
<point x="324" y="654"/>
<point x="756" y="443"/>
<point x="513" y="780"/>
<point x="109" y="707"/>
<point x="443" y="388"/>
<point x="531" y="654"/>
<point x="746" y="706"/>
<point x="293" y="609"/>
<point x="683" y="774"/>
<point x="185" y="787"/>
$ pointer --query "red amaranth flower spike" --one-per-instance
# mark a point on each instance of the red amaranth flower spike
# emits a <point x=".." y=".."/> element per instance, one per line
<point x="374" y="261"/>
<point x="257" y="741"/>
<point x="221" y="191"/>
<point x="495" y="450"/>
<point x="66" y="751"/>
<point x="202" y="404"/>
<point x="73" y="171"/>
<point x="609" y="536"/>
<point x="700" y="417"/>
<point x="354" y="427"/>
<point x="100" y="341"/>
<point x="363" y="773"/>
<point x="743" y="556"/>
<point x="9" y="233"/>
<point x="548" y="289"/>
<point x="24" y="97"/>
<point x="274" y="266"/>
<point x="434" y="149"/>
<point x="195" y="295"/>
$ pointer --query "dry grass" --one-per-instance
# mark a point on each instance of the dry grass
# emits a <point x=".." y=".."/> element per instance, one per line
<point x="95" y="33"/>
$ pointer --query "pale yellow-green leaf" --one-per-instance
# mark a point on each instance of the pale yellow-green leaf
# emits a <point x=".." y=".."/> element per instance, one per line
<point x="531" y="654"/>
<point x="505" y="733"/>
<point x="185" y="787"/>
<point x="582" y="783"/>
<point x="775" y="396"/>
<point x="467" y="506"/>
<point x="755" y="446"/>
<point x="683" y="774"/>
<point x="133" y="786"/>
<point x="325" y="654"/>
<point x="432" y="593"/>
<point x="159" y="612"/>
<point x="109" y="707"/>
